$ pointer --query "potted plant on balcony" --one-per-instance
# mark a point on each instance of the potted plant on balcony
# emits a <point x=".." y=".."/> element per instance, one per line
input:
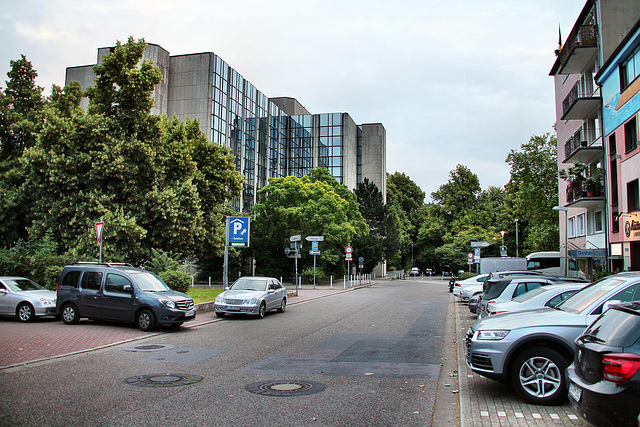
<point x="575" y="175"/>
<point x="593" y="183"/>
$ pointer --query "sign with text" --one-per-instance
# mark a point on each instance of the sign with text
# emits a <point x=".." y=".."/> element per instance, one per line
<point x="238" y="231"/>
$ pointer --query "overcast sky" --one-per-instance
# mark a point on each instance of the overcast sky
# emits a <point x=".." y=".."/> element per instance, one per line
<point x="452" y="81"/>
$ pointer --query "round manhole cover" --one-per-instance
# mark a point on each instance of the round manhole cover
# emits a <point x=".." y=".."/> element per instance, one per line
<point x="149" y="347"/>
<point x="163" y="380"/>
<point x="285" y="388"/>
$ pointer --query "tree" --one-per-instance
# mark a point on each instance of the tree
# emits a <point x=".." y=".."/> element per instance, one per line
<point x="150" y="178"/>
<point x="532" y="192"/>
<point x="315" y="204"/>
<point x="21" y="118"/>
<point x="383" y="239"/>
<point x="459" y="198"/>
<point x="407" y="199"/>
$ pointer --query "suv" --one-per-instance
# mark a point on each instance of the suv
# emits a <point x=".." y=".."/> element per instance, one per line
<point x="531" y="349"/>
<point x="604" y="379"/>
<point x="120" y="292"/>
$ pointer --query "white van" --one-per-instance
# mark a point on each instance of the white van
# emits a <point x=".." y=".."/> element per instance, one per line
<point x="551" y="263"/>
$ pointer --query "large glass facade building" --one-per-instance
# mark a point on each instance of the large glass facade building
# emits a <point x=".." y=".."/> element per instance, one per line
<point x="269" y="137"/>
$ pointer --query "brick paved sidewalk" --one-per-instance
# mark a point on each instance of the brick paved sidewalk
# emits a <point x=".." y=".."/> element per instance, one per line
<point x="484" y="402"/>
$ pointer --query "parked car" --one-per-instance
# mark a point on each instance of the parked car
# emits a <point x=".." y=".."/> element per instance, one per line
<point x="544" y="296"/>
<point x="122" y="293"/>
<point x="415" y="271"/>
<point x="506" y="273"/>
<point x="25" y="299"/>
<point x="508" y="288"/>
<point x="604" y="378"/>
<point x="473" y="303"/>
<point x="446" y="270"/>
<point x="469" y="291"/>
<point x="252" y="295"/>
<point x="475" y="280"/>
<point x="531" y="349"/>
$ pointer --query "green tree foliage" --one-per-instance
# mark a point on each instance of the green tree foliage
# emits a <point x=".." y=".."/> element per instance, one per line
<point x="459" y="197"/>
<point x="532" y="192"/>
<point x="313" y="205"/>
<point x="383" y="239"/>
<point x="407" y="200"/>
<point x="156" y="182"/>
<point x="21" y="118"/>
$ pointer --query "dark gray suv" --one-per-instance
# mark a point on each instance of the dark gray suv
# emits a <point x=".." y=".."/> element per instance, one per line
<point x="120" y="292"/>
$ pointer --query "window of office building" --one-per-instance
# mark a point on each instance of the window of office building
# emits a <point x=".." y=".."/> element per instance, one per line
<point x="219" y="102"/>
<point x="300" y="138"/>
<point x="633" y="196"/>
<point x="630" y="135"/>
<point x="330" y="144"/>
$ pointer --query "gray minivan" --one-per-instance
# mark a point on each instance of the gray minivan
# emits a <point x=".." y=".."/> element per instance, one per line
<point x="120" y="292"/>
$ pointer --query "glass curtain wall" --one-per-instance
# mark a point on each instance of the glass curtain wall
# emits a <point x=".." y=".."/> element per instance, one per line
<point x="330" y="144"/>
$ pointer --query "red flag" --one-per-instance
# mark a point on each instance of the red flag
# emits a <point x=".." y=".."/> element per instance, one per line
<point x="559" y="38"/>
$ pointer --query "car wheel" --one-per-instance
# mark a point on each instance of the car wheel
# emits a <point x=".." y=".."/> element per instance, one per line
<point x="25" y="312"/>
<point x="220" y="314"/>
<point x="283" y="306"/>
<point x="70" y="314"/>
<point x="146" y="320"/>
<point x="262" y="310"/>
<point x="537" y="376"/>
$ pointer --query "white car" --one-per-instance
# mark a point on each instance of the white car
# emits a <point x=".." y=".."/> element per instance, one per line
<point x="252" y="295"/>
<point x="475" y="280"/>
<point x="469" y="291"/>
<point x="25" y="298"/>
<point x="544" y="296"/>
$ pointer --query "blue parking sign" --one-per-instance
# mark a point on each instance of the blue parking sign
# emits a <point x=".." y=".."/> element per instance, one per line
<point x="238" y="231"/>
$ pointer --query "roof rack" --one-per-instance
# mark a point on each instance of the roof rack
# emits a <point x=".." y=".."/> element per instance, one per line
<point x="108" y="264"/>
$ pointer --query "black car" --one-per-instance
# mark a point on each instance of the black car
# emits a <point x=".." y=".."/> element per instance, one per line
<point x="604" y="379"/>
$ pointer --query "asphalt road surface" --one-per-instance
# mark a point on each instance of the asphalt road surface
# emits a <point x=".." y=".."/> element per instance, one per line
<point x="367" y="357"/>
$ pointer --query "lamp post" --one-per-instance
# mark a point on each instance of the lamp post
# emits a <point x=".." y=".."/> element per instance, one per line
<point x="502" y="232"/>
<point x="412" y="255"/>
<point x="516" y="237"/>
<point x="566" y="234"/>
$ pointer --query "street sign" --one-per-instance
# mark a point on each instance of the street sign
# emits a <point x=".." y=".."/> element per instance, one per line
<point x="99" y="226"/>
<point x="480" y="244"/>
<point x="314" y="238"/>
<point x="348" y="250"/>
<point x="312" y="252"/>
<point x="470" y="258"/>
<point x="295" y="238"/>
<point x="238" y="231"/>
<point x="503" y="251"/>
<point x="360" y="260"/>
<point x="293" y="254"/>
<point x="476" y="256"/>
<point x="314" y="246"/>
<point x="349" y="257"/>
<point x="287" y="251"/>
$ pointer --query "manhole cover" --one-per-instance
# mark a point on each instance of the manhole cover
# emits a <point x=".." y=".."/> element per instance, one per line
<point x="149" y="347"/>
<point x="285" y="388"/>
<point x="163" y="380"/>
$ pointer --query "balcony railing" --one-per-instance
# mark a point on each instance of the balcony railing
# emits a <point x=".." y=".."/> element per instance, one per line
<point x="574" y="143"/>
<point x="586" y="35"/>
<point x="579" y="103"/>
<point x="578" y="196"/>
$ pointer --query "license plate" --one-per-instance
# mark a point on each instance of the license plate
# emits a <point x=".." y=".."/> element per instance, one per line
<point x="575" y="392"/>
<point x="231" y="308"/>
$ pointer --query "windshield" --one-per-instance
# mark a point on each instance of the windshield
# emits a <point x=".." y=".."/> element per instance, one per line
<point x="149" y="282"/>
<point x="528" y="295"/>
<point x="587" y="296"/>
<point x="18" y="285"/>
<point x="244" y="284"/>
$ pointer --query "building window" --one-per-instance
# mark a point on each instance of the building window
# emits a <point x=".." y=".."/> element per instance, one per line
<point x="630" y="135"/>
<point x="614" y="182"/>
<point x="571" y="227"/>
<point x="595" y="222"/>
<point x="580" y="225"/>
<point x="612" y="144"/>
<point x="630" y="69"/>
<point x="633" y="196"/>
<point x="615" y="222"/>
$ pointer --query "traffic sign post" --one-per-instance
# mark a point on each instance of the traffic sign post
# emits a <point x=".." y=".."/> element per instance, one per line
<point x="99" y="227"/>
<point x="237" y="231"/>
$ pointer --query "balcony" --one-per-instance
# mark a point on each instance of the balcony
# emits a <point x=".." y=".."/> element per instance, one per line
<point x="577" y="197"/>
<point x="578" y="105"/>
<point x="579" y="149"/>
<point x="579" y="50"/>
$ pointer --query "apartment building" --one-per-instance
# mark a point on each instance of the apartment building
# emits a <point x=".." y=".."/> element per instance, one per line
<point x="269" y="137"/>
<point x="585" y="215"/>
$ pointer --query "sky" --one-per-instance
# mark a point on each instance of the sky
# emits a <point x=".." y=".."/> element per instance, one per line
<point x="452" y="81"/>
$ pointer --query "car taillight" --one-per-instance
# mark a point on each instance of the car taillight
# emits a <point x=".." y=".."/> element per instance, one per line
<point x="620" y="367"/>
<point x="458" y="284"/>
<point x="493" y="313"/>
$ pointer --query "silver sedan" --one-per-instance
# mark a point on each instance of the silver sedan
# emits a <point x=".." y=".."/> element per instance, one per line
<point x="252" y="295"/>
<point x="25" y="298"/>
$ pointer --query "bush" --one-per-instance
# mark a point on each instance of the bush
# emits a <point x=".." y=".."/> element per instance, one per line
<point x="321" y="275"/>
<point x="466" y="275"/>
<point x="177" y="280"/>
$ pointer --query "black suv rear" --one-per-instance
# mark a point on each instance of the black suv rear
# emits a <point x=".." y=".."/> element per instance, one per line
<point x="120" y="292"/>
<point x="604" y="379"/>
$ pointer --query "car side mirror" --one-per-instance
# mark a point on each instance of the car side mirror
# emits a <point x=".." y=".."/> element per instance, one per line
<point x="609" y="303"/>
<point x="271" y="291"/>
<point x="3" y="291"/>
<point x="127" y="288"/>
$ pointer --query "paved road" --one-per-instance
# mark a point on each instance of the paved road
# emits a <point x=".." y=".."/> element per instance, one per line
<point x="369" y="356"/>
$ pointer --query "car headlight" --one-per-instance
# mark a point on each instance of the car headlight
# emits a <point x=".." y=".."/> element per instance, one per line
<point x="46" y="301"/>
<point x="252" y="301"/>
<point x="168" y="303"/>
<point x="492" y="335"/>
<point x="219" y="299"/>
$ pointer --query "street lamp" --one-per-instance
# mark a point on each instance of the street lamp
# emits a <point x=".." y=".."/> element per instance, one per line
<point x="566" y="233"/>
<point x="516" y="237"/>
<point x="412" y="255"/>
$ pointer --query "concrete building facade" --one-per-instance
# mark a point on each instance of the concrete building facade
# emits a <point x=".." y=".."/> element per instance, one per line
<point x="585" y="215"/>
<point x="269" y="137"/>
